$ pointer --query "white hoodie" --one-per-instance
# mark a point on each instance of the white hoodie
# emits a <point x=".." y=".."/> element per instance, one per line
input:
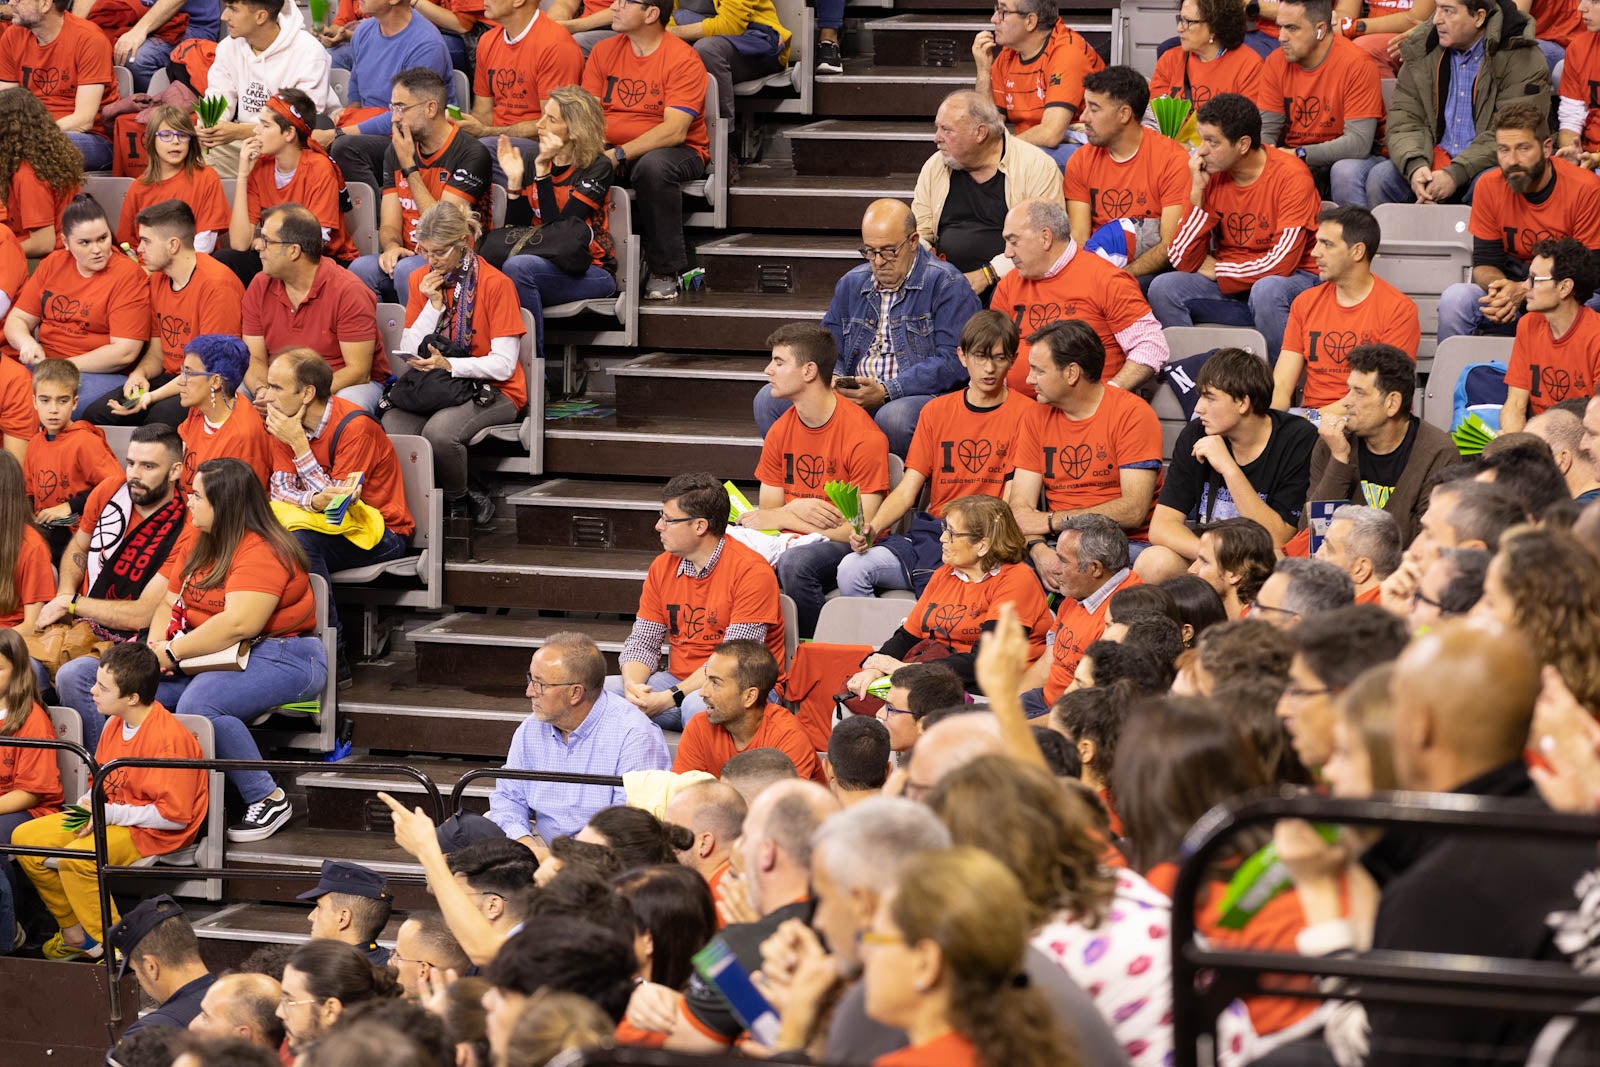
<point x="296" y="60"/>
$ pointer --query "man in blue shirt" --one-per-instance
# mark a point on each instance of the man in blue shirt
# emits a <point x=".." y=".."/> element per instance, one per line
<point x="156" y="943"/>
<point x="576" y="728"/>
<point x="143" y="52"/>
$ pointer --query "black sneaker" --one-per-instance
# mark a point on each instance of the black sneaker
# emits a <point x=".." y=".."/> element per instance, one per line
<point x="829" y="58"/>
<point x="262" y="819"/>
<point x="344" y="677"/>
<point x="481" y="508"/>
<point x="458" y="507"/>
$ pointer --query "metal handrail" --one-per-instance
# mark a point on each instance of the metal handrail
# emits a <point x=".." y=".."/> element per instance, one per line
<point x="1205" y="979"/>
<point x="8" y="849"/>
<point x="528" y="775"/>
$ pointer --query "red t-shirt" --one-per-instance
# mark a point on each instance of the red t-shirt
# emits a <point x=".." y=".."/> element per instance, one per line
<point x="78" y="314"/>
<point x="1552" y="370"/>
<point x="180" y="796"/>
<point x="34" y="576"/>
<point x="1081" y="460"/>
<point x="1556" y="21"/>
<point x="801" y="459"/>
<point x="697" y="612"/>
<point x="80" y="55"/>
<point x="32" y="205"/>
<point x="1075" y="629"/>
<point x="1025" y="88"/>
<point x="954" y="611"/>
<point x="256" y="568"/>
<point x="1153" y="179"/>
<point x="338" y="308"/>
<point x="200" y="189"/>
<point x="72" y="462"/>
<point x="1180" y="73"/>
<point x="1324" y="332"/>
<point x="18" y="418"/>
<point x="33" y="770"/>
<point x="519" y="76"/>
<point x="495" y="313"/>
<point x="962" y="450"/>
<point x="1255" y="231"/>
<point x="1088" y="289"/>
<point x="1580" y="80"/>
<point x="1316" y="104"/>
<point x="706" y="747"/>
<point x="636" y="91"/>
<point x="13" y="266"/>
<point x="242" y="435"/>
<point x="1569" y="207"/>
<point x="362" y="447"/>
<point x="315" y="185"/>
<point x="210" y="302"/>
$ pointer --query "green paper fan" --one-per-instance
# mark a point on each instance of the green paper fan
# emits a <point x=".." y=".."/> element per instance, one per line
<point x="1171" y="111"/>
<point x="1472" y="435"/>
<point x="847" y="498"/>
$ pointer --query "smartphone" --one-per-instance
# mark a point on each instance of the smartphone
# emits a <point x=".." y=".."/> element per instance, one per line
<point x="847" y="383"/>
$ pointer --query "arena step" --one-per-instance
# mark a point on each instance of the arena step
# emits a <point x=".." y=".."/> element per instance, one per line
<point x="230" y="934"/>
<point x="467" y="645"/>
<point x="550" y="579"/>
<point x="945" y="39"/>
<point x="861" y="148"/>
<point x="726" y="322"/>
<point x="777" y="263"/>
<point x="391" y="710"/>
<point x="887" y="90"/>
<point x="346" y="799"/>
<point x="658" y="446"/>
<point x="705" y="385"/>
<point x="777" y="198"/>
<point x="573" y="513"/>
<point x="300" y="848"/>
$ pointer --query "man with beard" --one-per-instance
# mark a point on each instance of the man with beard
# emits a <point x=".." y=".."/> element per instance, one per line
<point x="1530" y="197"/>
<point x="127" y="529"/>
<point x="65" y="61"/>
<point x="1557" y="351"/>
<point x="738" y="677"/>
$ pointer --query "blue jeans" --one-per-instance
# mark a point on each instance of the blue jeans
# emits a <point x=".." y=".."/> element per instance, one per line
<point x="92" y="386"/>
<point x="1553" y="54"/>
<point x="330" y="552"/>
<point x="806" y="573"/>
<point x="1460" y="316"/>
<point x="1375" y="180"/>
<point x="830" y="14"/>
<point x="391" y="289"/>
<point x="540" y="282"/>
<point x="1061" y="153"/>
<point x="1183" y="299"/>
<point x="1262" y="44"/>
<point x="96" y="150"/>
<point x="151" y="57"/>
<point x="282" y="670"/>
<point x="8" y="910"/>
<point x="897" y="419"/>
<point x="342" y="56"/>
<point x="367" y="395"/>
<point x="672" y="718"/>
<point x="869" y="573"/>
<point x="73" y="682"/>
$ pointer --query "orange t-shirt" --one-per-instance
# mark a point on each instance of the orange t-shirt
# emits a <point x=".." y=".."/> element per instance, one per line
<point x="697" y="612"/>
<point x="242" y="436"/>
<point x="519" y="76"/>
<point x="950" y="1050"/>
<point x="200" y="189"/>
<point x="18" y="418"/>
<point x="495" y="313"/>
<point x="1081" y="460"/>
<point x="706" y="747"/>
<point x="1153" y="179"/>
<point x="34" y="576"/>
<point x="256" y="568"/>
<point x="69" y="464"/>
<point x="1552" y="370"/>
<point x="1088" y="289"/>
<point x="962" y="450"/>
<point x="33" y="770"/>
<point x="1316" y="104"/>
<point x="801" y="459"/>
<point x="1074" y="631"/>
<point x="1556" y="21"/>
<point x="78" y="314"/>
<point x="636" y="91"/>
<point x="1255" y="231"/>
<point x="1570" y="207"/>
<point x="362" y="447"/>
<point x="80" y="55"/>
<point x="1025" y="88"/>
<point x="13" y="266"/>
<point x="1179" y="73"/>
<point x="180" y="795"/>
<point x="315" y="185"/>
<point x="211" y="302"/>
<point x="954" y="611"/>
<point x="1323" y="332"/>
<point x="1580" y="80"/>
<point x="32" y="205"/>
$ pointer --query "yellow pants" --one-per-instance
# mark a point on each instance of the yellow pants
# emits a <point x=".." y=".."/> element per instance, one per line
<point x="71" y="889"/>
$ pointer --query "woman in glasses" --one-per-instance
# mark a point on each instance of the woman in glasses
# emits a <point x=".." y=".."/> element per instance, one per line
<point x="177" y="171"/>
<point x="217" y="424"/>
<point x="981" y="569"/>
<point x="1211" y="56"/>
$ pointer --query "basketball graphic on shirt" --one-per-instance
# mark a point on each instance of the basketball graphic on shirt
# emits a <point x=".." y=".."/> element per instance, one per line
<point x="688" y="621"/>
<point x="1240" y="226"/>
<point x="504" y="81"/>
<point x="1304" y="111"/>
<point x="1075" y="458"/>
<point x="1337" y="344"/>
<point x="45" y="482"/>
<point x="943" y="618"/>
<point x="1116" y="203"/>
<point x="1199" y="94"/>
<point x="974" y="455"/>
<point x="62" y="308"/>
<point x="173" y="329"/>
<point x="1556" y="383"/>
<point x="44" y="81"/>
<point x="810" y="470"/>
<point x="630" y="91"/>
<point x="1523" y="241"/>
<point x="1040" y="315"/>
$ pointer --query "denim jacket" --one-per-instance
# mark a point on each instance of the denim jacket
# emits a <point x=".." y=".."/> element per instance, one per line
<point x="931" y="308"/>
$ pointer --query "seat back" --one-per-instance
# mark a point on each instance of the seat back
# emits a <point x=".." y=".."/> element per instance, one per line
<point x="74" y="774"/>
<point x="362" y="219"/>
<point x="109" y="192"/>
<point x="339" y="81"/>
<point x="498" y="201"/>
<point x="791" y="628"/>
<point x="159" y="82"/>
<point x="1144" y="24"/>
<point x="463" y="89"/>
<point x="214" y="831"/>
<point x="1186" y="341"/>
<point x="118" y="438"/>
<point x="715" y="186"/>
<point x="391" y="326"/>
<point x="426" y="501"/>
<point x="855" y="620"/>
<point x="124" y="79"/>
<point x="1453" y="357"/>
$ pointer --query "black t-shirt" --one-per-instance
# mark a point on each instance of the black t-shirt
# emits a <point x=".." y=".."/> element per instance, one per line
<point x="1281" y="475"/>
<point x="973" y="216"/>
<point x="1380" y="474"/>
<point x="701" y="999"/>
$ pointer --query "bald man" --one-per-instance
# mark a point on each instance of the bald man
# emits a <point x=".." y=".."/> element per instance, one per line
<point x="948" y="745"/>
<point x="897" y="321"/>
<point x="1463" y="698"/>
<point x="243" y="1006"/>
<point x="714" y="812"/>
<point x="1561" y="427"/>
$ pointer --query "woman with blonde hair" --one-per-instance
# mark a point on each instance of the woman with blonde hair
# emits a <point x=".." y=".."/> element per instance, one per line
<point x="1546" y="586"/>
<point x="177" y="171"/>
<point x="461" y="321"/>
<point x="983" y="568"/>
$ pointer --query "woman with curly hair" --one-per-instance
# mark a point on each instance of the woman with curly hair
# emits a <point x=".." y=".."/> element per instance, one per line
<point x="177" y="171"/>
<point x="1236" y="559"/>
<point x="1546" y="586"/>
<point x="1211" y="56"/>
<point x="40" y="171"/>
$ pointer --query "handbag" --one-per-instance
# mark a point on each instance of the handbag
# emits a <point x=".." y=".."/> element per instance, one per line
<point x="423" y="392"/>
<point x="55" y="645"/>
<point x="564" y="242"/>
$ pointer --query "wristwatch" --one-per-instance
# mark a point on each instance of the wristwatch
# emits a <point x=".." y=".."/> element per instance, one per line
<point x="1300" y="154"/>
<point x="677" y="696"/>
<point x="408" y="171"/>
<point x="619" y="155"/>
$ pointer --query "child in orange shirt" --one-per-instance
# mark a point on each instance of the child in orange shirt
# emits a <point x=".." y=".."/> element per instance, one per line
<point x="66" y="459"/>
<point x="27" y="579"/>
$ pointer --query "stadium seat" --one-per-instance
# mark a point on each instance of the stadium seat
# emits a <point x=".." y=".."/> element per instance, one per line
<point x="124" y="78"/>
<point x="463" y="89"/>
<point x="1186" y="341"/>
<point x="362" y="218"/>
<point x="528" y="432"/>
<point x="425" y="564"/>
<point x="1143" y="24"/>
<point x="1438" y="402"/>
<point x="791" y="628"/>
<point x="801" y="73"/>
<point x="74" y="773"/>
<point x="391" y="325"/>
<point x="206" y="849"/>
<point x="159" y="81"/>
<point x="497" y="212"/>
<point x="714" y="187"/>
<point x="624" y="306"/>
<point x="118" y="438"/>
<point x="856" y="620"/>
<point x="322" y="738"/>
<point x="1426" y="248"/>
<point x="109" y="193"/>
<point x="339" y="80"/>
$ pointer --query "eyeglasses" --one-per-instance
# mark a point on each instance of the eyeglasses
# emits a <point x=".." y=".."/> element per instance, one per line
<point x="667" y="520"/>
<point x="995" y="358"/>
<point x="260" y="238"/>
<point x="1003" y="12"/>
<point x="539" y="687"/>
<point x="285" y="1002"/>
<point x="890" y="709"/>
<point x="877" y="937"/>
<point x="1258" y="606"/>
<point x="185" y="372"/>
<point x="1419" y="597"/>
<point x="1301" y="692"/>
<point x="401" y="109"/>
<point x="1535" y="279"/>
<point x="1184" y="24"/>
<point x="874" y="254"/>
<point x="173" y="136"/>
<point x="946" y="531"/>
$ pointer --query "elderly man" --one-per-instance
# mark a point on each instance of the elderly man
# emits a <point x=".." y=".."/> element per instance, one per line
<point x="1364" y="542"/>
<point x="1057" y="279"/>
<point x="1561" y="427"/>
<point x="576" y="726"/>
<point x="243" y="1006"/>
<point x="1033" y="65"/>
<point x="1301" y="587"/>
<point x="896" y="320"/>
<point x="979" y="172"/>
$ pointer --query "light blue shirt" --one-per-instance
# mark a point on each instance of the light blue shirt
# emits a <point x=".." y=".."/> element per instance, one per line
<point x="378" y="59"/>
<point x="615" y="738"/>
<point x="1460" y="128"/>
